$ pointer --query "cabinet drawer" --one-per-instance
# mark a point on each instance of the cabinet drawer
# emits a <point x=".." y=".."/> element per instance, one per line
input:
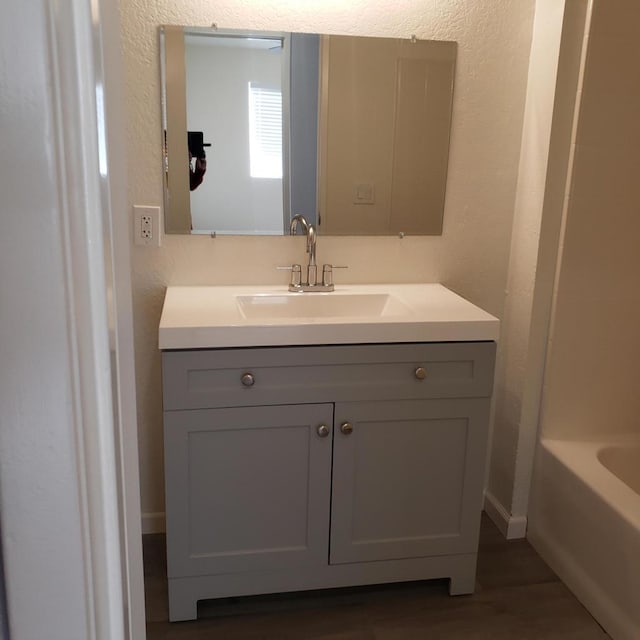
<point x="282" y="375"/>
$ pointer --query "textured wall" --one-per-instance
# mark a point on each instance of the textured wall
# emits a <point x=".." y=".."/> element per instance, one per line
<point x="471" y="256"/>
<point x="523" y="332"/>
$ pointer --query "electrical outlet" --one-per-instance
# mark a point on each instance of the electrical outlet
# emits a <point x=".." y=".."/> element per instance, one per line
<point x="146" y="226"/>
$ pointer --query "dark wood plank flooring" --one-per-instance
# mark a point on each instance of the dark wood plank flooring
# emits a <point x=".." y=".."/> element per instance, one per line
<point x="517" y="598"/>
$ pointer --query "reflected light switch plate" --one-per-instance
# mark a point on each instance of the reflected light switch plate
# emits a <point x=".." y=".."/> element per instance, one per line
<point x="363" y="193"/>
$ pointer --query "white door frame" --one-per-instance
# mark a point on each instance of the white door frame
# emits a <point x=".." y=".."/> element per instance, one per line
<point x="69" y="486"/>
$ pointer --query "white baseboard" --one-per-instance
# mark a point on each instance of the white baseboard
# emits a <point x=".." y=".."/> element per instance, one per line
<point x="153" y="522"/>
<point x="511" y="527"/>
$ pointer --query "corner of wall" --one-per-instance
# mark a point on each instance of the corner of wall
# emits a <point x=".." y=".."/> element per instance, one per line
<point x="511" y="527"/>
<point x="546" y="143"/>
<point x="153" y="522"/>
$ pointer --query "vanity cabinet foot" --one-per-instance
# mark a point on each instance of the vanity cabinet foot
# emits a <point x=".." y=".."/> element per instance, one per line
<point x="183" y="604"/>
<point x="463" y="581"/>
<point x="336" y="466"/>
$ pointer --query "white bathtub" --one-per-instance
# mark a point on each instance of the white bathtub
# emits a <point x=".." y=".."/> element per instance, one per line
<point x="623" y="460"/>
<point x="584" y="520"/>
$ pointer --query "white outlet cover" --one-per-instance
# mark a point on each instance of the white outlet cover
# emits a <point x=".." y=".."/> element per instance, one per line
<point x="146" y="226"/>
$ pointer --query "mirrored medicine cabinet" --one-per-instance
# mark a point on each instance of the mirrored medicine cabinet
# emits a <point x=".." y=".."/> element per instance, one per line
<point x="351" y="132"/>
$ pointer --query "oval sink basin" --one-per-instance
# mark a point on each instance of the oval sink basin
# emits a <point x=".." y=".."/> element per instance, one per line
<point x="320" y="305"/>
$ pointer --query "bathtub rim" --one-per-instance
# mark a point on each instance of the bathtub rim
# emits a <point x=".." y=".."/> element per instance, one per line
<point x="609" y="457"/>
<point x="579" y="455"/>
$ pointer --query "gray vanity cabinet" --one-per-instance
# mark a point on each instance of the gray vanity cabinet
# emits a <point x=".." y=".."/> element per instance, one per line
<point x="292" y="468"/>
<point x="404" y="485"/>
<point x="251" y="487"/>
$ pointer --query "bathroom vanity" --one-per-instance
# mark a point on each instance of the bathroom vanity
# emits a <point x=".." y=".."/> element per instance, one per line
<point x="306" y="449"/>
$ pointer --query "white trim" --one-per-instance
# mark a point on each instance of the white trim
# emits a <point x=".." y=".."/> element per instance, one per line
<point x="118" y="270"/>
<point x="58" y="470"/>
<point x="80" y="206"/>
<point x="511" y="527"/>
<point x="153" y="522"/>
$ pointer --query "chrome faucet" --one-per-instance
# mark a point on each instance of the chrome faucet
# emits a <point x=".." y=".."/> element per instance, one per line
<point x="311" y="283"/>
<point x="310" y="231"/>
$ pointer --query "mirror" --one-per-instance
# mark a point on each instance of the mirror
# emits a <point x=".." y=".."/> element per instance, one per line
<point x="351" y="132"/>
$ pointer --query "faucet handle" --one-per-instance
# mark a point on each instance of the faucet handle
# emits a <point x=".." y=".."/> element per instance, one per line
<point x="327" y="273"/>
<point x="296" y="274"/>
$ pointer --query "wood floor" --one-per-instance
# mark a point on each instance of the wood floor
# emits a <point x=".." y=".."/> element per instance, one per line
<point x="517" y="598"/>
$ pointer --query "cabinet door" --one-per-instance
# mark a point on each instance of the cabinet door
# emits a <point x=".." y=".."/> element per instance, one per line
<point x="247" y="488"/>
<point x="407" y="480"/>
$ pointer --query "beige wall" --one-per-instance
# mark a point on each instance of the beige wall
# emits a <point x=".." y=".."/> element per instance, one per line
<point x="592" y="382"/>
<point x="471" y="256"/>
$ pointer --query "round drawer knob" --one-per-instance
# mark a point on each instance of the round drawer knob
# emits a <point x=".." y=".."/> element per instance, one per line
<point x="323" y="430"/>
<point x="420" y="373"/>
<point x="346" y="428"/>
<point x="247" y="379"/>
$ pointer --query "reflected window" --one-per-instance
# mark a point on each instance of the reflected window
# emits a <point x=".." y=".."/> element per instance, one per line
<point x="265" y="131"/>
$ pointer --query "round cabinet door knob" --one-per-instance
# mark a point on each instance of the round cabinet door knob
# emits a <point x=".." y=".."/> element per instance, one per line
<point x="247" y="379"/>
<point x="323" y="431"/>
<point x="420" y="373"/>
<point x="346" y="428"/>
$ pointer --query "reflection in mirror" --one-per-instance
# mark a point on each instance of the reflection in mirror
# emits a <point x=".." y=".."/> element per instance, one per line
<point x="351" y="132"/>
<point x="234" y="89"/>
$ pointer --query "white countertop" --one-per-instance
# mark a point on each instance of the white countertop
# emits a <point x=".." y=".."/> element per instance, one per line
<point x="210" y="317"/>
